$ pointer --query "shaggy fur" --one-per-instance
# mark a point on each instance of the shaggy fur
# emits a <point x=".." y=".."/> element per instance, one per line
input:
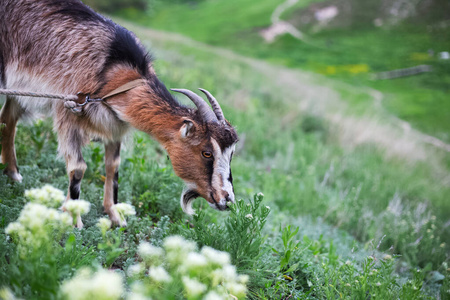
<point x="62" y="46"/>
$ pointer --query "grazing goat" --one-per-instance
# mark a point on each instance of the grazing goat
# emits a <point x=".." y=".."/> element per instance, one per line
<point x="64" y="47"/>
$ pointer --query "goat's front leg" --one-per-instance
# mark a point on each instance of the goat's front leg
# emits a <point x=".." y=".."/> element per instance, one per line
<point x="112" y="162"/>
<point x="9" y="116"/>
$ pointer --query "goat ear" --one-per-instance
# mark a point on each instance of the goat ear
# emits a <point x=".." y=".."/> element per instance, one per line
<point x="187" y="129"/>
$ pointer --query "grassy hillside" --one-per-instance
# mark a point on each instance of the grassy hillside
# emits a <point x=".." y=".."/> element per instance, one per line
<point x="367" y="224"/>
<point x="350" y="54"/>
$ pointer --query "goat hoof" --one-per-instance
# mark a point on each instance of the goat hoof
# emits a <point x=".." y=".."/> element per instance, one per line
<point x="115" y="218"/>
<point x="79" y="224"/>
<point x="14" y="175"/>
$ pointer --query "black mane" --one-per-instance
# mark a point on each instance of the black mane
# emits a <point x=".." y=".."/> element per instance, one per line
<point x="124" y="48"/>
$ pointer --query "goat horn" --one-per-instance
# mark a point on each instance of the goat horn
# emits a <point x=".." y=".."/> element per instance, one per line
<point x="215" y="105"/>
<point x="203" y="108"/>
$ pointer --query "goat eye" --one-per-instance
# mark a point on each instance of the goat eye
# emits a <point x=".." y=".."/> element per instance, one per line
<point x="207" y="154"/>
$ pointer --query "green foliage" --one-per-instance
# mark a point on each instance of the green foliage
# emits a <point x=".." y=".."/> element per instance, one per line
<point x="111" y="246"/>
<point x="240" y="234"/>
<point x="290" y="247"/>
<point x="335" y="52"/>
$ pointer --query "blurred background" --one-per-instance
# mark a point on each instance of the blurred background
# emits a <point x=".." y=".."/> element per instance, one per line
<point x="351" y="40"/>
<point x="342" y="106"/>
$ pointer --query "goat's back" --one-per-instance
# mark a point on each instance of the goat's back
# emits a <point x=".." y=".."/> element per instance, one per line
<point x="61" y="46"/>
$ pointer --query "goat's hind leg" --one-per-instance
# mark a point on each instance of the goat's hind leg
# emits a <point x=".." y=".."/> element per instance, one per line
<point x="10" y="114"/>
<point x="112" y="161"/>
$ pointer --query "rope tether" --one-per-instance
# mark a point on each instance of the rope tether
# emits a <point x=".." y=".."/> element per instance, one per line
<point x="72" y="101"/>
<point x="40" y="95"/>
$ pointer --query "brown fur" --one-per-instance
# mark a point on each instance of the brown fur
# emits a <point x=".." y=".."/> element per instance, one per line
<point x="64" y="47"/>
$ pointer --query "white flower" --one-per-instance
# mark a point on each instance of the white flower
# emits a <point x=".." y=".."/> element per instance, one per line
<point x="236" y="289"/>
<point x="150" y="254"/>
<point x="159" y="274"/>
<point x="192" y="287"/>
<point x="260" y="194"/>
<point x="229" y="273"/>
<point x="136" y="296"/>
<point x="215" y="257"/>
<point x="77" y="207"/>
<point x="195" y="261"/>
<point x="226" y="274"/>
<point x="135" y="269"/>
<point x="15" y="229"/>
<point x="108" y="283"/>
<point x="176" y="243"/>
<point x="33" y="216"/>
<point x="213" y="296"/>
<point x="125" y="209"/>
<point x="47" y="195"/>
<point x="249" y="216"/>
<point x="138" y="287"/>
<point x="177" y="249"/>
<point x="102" y="285"/>
<point x="104" y="224"/>
<point x="243" y="278"/>
<point x="267" y="207"/>
<point x="65" y="219"/>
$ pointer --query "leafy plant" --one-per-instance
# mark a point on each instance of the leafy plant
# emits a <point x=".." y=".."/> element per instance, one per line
<point x="240" y="234"/>
<point x="290" y="248"/>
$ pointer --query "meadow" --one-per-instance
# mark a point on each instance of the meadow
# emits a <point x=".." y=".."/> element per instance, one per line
<point x="322" y="216"/>
<point x="352" y="54"/>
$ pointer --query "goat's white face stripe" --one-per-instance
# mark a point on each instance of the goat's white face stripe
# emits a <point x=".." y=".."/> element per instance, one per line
<point x="221" y="174"/>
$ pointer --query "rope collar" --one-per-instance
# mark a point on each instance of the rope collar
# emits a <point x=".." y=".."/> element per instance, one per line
<point x="121" y="89"/>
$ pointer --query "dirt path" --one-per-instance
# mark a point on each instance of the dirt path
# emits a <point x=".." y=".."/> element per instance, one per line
<point x="316" y="94"/>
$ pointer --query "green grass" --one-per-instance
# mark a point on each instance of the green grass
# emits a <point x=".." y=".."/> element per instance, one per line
<point x="346" y="54"/>
<point x="350" y="205"/>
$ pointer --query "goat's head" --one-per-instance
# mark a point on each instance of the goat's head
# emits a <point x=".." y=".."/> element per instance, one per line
<point x="201" y="154"/>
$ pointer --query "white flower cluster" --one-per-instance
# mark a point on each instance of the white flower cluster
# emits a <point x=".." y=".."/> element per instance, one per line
<point x="36" y="226"/>
<point x="47" y="195"/>
<point x="77" y="207"/>
<point x="101" y="285"/>
<point x="124" y="209"/>
<point x="104" y="224"/>
<point x="207" y="274"/>
<point x="150" y="254"/>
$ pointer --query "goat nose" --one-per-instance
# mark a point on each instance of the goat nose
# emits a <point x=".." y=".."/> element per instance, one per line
<point x="227" y="197"/>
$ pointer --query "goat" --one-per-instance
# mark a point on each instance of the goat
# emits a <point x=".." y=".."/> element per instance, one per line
<point x="64" y="47"/>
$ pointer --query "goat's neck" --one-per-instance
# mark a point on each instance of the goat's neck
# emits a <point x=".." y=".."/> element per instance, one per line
<point x="148" y="111"/>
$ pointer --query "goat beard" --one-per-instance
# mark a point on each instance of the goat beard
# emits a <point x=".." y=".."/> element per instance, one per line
<point x="187" y="197"/>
